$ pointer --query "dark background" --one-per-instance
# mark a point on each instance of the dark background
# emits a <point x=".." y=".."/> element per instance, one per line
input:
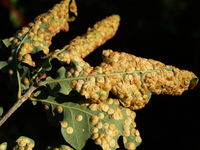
<point x="165" y="30"/>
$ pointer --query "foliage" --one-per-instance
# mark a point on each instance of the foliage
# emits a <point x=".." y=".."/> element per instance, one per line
<point x="51" y="77"/>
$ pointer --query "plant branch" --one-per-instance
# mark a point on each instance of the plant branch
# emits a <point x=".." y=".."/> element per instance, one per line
<point x="19" y="102"/>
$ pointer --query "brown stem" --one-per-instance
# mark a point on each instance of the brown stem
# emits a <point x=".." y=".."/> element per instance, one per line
<point x="19" y="102"/>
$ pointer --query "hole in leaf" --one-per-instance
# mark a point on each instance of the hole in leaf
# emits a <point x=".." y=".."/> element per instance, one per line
<point x="111" y="95"/>
<point x="120" y="143"/>
<point x="91" y="145"/>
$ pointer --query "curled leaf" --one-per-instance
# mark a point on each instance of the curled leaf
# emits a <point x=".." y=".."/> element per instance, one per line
<point x="40" y="32"/>
<point x="83" y="45"/>
<point x="132" y="79"/>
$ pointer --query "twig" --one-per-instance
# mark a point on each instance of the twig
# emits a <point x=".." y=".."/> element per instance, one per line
<point x="20" y="101"/>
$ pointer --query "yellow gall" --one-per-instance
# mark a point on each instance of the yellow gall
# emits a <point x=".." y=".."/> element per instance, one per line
<point x="79" y="85"/>
<point x="133" y="131"/>
<point x="26" y="140"/>
<point x="26" y="81"/>
<point x="100" y="79"/>
<point x="115" y="132"/>
<point x="94" y="130"/>
<point x="15" y="41"/>
<point x="69" y="130"/>
<point x="106" y="53"/>
<point x="111" y="111"/>
<point x="10" y="59"/>
<point x="126" y="133"/>
<point x="117" y="116"/>
<point x="110" y="101"/>
<point x="30" y="145"/>
<point x="116" y="102"/>
<point x="64" y="124"/>
<point x="101" y="115"/>
<point x="94" y="96"/>
<point x="73" y="83"/>
<point x="108" y="132"/>
<point x="21" y="142"/>
<point x="68" y="74"/>
<point x="134" y="124"/>
<point x="112" y="126"/>
<point x="104" y="107"/>
<point x="76" y="74"/>
<point x="99" y="125"/>
<point x="138" y="139"/>
<point x="137" y="133"/>
<point x="112" y="143"/>
<point x="10" y="72"/>
<point x="3" y="147"/>
<point x="93" y="107"/>
<point x="59" y="109"/>
<point x="106" y="125"/>
<point x="128" y="111"/>
<point x="101" y="135"/>
<point x="79" y="118"/>
<point x="91" y="79"/>
<point x="103" y="96"/>
<point x="79" y="69"/>
<point x="128" y="121"/>
<point x="105" y="146"/>
<point x="19" y="34"/>
<point x="94" y="120"/>
<point x="98" y="141"/>
<point x="46" y="107"/>
<point x="108" y="138"/>
<point x="130" y="146"/>
<point x="133" y="115"/>
<point x="126" y="127"/>
<point x="95" y="136"/>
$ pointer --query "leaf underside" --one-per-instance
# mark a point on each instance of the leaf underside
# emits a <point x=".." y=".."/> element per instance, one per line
<point x="104" y="123"/>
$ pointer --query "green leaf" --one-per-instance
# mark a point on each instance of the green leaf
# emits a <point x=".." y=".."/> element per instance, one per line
<point x="64" y="85"/>
<point x="103" y="122"/>
<point x="3" y="64"/>
<point x="1" y="111"/>
<point x="47" y="65"/>
<point x="43" y="26"/>
<point x="7" y="43"/>
<point x="76" y="133"/>
<point x="3" y="146"/>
